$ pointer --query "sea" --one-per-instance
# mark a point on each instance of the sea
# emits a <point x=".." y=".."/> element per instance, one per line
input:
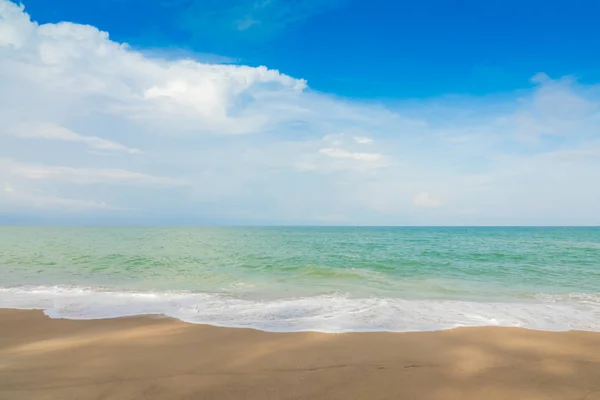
<point x="327" y="279"/>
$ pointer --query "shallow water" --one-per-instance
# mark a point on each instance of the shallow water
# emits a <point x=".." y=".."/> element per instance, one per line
<point x="326" y="279"/>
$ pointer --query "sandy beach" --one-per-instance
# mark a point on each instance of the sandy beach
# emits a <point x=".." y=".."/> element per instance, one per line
<point x="161" y="358"/>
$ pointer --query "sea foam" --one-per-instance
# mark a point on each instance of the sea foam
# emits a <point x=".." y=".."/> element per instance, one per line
<point x="331" y="313"/>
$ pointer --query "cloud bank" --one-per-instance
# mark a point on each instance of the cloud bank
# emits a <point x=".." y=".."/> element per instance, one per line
<point x="92" y="130"/>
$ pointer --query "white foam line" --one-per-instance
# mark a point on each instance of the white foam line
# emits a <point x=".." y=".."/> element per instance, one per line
<point x="333" y="314"/>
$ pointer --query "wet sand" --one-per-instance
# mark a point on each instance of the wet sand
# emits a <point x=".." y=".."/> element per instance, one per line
<point x="161" y="358"/>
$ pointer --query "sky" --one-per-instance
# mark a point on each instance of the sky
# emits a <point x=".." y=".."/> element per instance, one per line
<point x="307" y="112"/>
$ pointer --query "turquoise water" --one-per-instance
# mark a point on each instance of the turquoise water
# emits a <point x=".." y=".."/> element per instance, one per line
<point x="328" y="279"/>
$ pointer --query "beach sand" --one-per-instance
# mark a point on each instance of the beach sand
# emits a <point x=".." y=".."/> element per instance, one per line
<point x="161" y="358"/>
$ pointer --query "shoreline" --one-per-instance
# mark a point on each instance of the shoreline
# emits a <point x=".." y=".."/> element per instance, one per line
<point x="177" y="320"/>
<point x="157" y="357"/>
<point x="335" y="313"/>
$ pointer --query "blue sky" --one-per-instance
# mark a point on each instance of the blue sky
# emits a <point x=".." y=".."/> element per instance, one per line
<point x="378" y="49"/>
<point x="304" y="112"/>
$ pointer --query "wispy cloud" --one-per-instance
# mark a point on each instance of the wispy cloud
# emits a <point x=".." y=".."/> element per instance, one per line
<point x="20" y="200"/>
<point x="363" y="140"/>
<point x="57" y="132"/>
<point x="84" y="175"/>
<point x="254" y="144"/>
<point x="341" y="153"/>
<point x="257" y="18"/>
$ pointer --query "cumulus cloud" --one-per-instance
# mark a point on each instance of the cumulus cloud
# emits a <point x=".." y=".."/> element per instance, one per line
<point x="89" y="124"/>
<point x="80" y="63"/>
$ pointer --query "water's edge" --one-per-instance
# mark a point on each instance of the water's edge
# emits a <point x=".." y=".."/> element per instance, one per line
<point x="328" y="314"/>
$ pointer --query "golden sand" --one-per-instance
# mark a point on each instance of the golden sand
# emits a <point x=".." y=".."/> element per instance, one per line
<point x="161" y="358"/>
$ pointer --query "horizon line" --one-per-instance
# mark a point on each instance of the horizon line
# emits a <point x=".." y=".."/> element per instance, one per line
<point x="280" y="226"/>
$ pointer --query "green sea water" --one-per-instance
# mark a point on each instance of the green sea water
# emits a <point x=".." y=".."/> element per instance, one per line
<point x="321" y="277"/>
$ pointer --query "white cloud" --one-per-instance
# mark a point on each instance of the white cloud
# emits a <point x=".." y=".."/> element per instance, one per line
<point x="363" y="140"/>
<point x="255" y="144"/>
<point x="79" y="62"/>
<point x="340" y="153"/>
<point x="84" y="175"/>
<point x="16" y="200"/>
<point x="15" y="25"/>
<point x="56" y="132"/>
<point x="424" y="199"/>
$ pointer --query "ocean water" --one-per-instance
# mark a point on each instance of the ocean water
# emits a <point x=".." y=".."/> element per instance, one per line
<point x="309" y="279"/>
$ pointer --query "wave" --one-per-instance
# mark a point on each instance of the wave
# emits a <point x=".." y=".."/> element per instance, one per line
<point x="326" y="313"/>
